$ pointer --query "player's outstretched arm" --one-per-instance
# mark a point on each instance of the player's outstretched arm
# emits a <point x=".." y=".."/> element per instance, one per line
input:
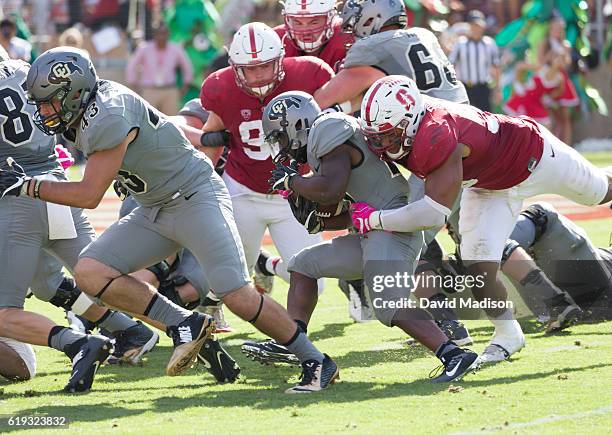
<point x="442" y="188"/>
<point x="100" y="171"/>
<point x="347" y="86"/>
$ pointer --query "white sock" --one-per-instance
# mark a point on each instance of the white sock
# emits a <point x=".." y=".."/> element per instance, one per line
<point x="506" y="325"/>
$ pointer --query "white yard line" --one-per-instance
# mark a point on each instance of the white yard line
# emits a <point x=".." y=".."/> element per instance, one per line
<point x="538" y="421"/>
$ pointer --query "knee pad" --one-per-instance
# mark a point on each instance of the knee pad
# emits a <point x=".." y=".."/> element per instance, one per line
<point x="168" y="289"/>
<point x="161" y="270"/>
<point x="66" y="295"/>
<point x="538" y="215"/>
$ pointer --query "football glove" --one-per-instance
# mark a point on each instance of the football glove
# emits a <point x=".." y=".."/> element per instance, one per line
<point x="282" y="175"/>
<point x="63" y="156"/>
<point x="360" y="215"/>
<point x="305" y="211"/>
<point x="13" y="181"/>
<point x="120" y="190"/>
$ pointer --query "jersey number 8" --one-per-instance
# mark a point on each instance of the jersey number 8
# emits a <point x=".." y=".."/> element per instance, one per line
<point x="17" y="127"/>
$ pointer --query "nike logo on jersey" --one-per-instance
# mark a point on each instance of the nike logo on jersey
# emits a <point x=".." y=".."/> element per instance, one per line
<point x="187" y="198"/>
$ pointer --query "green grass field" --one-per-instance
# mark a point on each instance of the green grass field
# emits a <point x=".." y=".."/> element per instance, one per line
<point x="557" y="384"/>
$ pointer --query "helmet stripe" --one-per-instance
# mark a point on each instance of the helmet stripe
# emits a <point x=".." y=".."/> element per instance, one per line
<point x="252" y="41"/>
<point x="303" y="4"/>
<point x="370" y="101"/>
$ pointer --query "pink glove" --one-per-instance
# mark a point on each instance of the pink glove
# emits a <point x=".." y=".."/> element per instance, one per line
<point x="360" y="214"/>
<point x="63" y="156"/>
<point x="285" y="193"/>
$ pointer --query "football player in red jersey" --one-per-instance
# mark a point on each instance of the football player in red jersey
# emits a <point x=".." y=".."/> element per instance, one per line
<point x="312" y="27"/>
<point x="500" y="160"/>
<point x="235" y="98"/>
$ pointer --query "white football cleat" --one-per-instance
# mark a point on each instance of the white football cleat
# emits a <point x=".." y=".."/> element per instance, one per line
<point x="502" y="347"/>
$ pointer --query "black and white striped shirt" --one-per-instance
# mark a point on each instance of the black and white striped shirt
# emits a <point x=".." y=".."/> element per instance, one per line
<point x="473" y="60"/>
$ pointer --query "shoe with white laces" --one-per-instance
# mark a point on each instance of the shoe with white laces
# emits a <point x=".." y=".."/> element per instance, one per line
<point x="316" y="376"/>
<point x="188" y="338"/>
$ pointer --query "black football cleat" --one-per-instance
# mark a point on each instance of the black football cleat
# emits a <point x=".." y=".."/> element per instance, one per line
<point x="563" y="313"/>
<point x="218" y="362"/>
<point x="188" y="337"/>
<point x="316" y="376"/>
<point x="455" y="331"/>
<point x="132" y="344"/>
<point x="269" y="352"/>
<point x="455" y="364"/>
<point x="93" y="351"/>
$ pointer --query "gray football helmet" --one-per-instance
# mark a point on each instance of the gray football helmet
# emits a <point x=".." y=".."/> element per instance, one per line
<point x="366" y="17"/>
<point x="65" y="78"/>
<point x="286" y="122"/>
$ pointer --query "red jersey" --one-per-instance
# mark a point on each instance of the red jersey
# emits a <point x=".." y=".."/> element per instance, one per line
<point x="504" y="149"/>
<point x="332" y="53"/>
<point x="249" y="160"/>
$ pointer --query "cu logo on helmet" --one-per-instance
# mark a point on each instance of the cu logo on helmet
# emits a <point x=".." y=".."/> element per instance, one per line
<point x="61" y="72"/>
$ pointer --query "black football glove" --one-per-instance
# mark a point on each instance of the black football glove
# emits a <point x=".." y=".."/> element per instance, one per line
<point x="13" y="181"/>
<point x="120" y="190"/>
<point x="282" y="175"/>
<point x="305" y="211"/>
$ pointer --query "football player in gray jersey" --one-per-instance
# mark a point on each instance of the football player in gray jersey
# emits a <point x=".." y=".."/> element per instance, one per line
<point x="183" y="203"/>
<point x="556" y="266"/>
<point x="338" y="154"/>
<point x="31" y="226"/>
<point x="383" y="46"/>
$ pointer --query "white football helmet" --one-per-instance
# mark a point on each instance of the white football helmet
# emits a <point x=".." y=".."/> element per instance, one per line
<point x="256" y="44"/>
<point x="314" y="37"/>
<point x="391" y="112"/>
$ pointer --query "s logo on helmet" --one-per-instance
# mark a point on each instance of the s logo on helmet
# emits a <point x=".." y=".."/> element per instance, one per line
<point x="61" y="71"/>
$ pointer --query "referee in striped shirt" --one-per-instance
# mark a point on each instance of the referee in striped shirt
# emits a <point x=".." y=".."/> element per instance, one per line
<point x="476" y="60"/>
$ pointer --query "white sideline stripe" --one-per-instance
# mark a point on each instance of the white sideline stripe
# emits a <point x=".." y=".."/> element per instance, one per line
<point x="549" y="419"/>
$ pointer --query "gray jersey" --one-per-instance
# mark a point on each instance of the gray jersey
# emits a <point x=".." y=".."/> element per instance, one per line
<point x="378" y="183"/>
<point x="159" y="163"/>
<point x="413" y="52"/>
<point x="19" y="137"/>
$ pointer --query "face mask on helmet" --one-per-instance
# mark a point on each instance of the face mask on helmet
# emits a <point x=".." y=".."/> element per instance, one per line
<point x="60" y="82"/>
<point x="309" y="32"/>
<point x="256" y="55"/>
<point x="392" y="143"/>
<point x="259" y="79"/>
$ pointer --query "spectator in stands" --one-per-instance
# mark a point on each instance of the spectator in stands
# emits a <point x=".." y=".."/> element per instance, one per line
<point x="71" y="37"/>
<point x="16" y="47"/>
<point x="152" y="71"/>
<point x="476" y="61"/>
<point x="555" y="58"/>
